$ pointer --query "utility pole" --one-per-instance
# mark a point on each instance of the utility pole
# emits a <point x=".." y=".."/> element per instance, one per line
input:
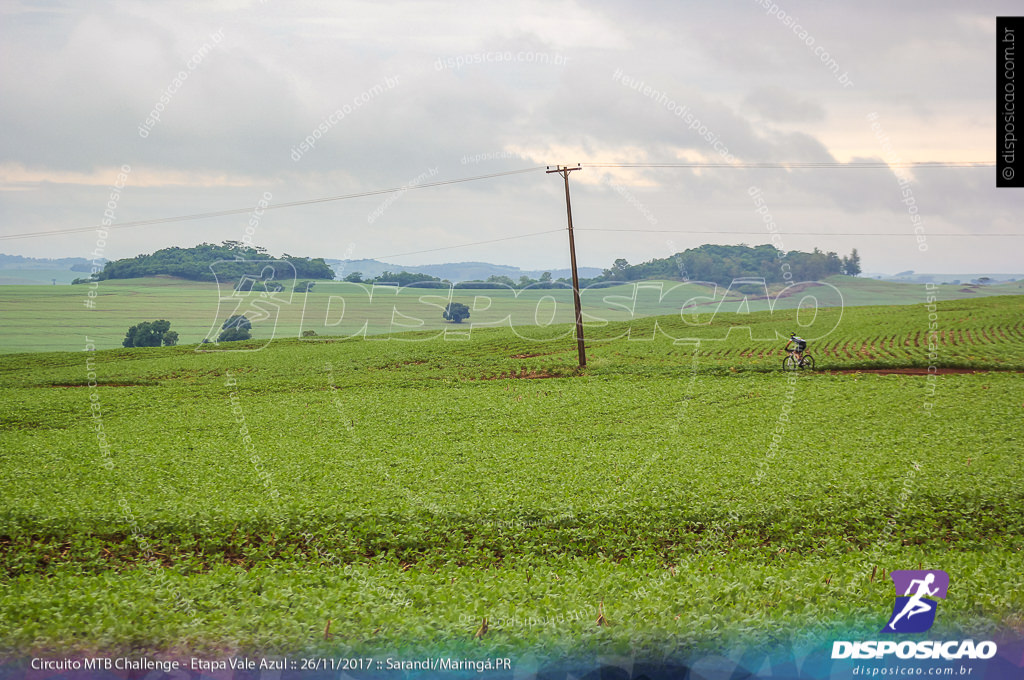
<point x="564" y="171"/>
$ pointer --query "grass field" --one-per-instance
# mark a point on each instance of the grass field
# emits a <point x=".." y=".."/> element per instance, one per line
<point x="692" y="492"/>
<point x="40" y="277"/>
<point x="57" y="318"/>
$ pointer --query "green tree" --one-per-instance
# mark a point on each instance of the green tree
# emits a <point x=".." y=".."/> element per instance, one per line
<point x="404" y="278"/>
<point x="851" y="264"/>
<point x="150" y="334"/>
<point x="545" y="277"/>
<point x="237" y="327"/>
<point x="304" y="286"/>
<point x="138" y="335"/>
<point x="455" y="312"/>
<point x="237" y="321"/>
<point x="355" y="277"/>
<point x="233" y="260"/>
<point x="234" y="334"/>
<point x="503" y="280"/>
<point x="833" y="265"/>
<point x="619" y="270"/>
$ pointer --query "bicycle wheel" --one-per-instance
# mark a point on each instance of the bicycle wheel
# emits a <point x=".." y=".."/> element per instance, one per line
<point x="789" y="363"/>
<point x="808" y="362"/>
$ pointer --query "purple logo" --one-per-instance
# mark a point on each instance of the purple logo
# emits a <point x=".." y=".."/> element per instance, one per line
<point x="913" y="611"/>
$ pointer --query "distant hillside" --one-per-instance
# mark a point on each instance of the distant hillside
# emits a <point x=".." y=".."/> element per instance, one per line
<point x="707" y="263"/>
<point x="75" y="264"/>
<point x="41" y="271"/>
<point x="453" y="271"/>
<point x="914" y="277"/>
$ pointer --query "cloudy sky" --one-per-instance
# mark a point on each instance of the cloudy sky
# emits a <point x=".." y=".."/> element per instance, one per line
<point x="410" y="93"/>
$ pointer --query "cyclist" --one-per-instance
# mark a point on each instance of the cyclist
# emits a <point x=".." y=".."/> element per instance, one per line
<point x="800" y="346"/>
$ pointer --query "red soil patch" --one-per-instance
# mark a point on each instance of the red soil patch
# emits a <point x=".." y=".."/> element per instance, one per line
<point x="525" y="356"/>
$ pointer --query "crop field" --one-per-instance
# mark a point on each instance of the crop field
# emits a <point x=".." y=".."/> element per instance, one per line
<point x="37" y="277"/>
<point x="475" y="492"/>
<point x="57" y="318"/>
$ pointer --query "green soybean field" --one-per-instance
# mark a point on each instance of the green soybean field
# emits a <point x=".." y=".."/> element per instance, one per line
<point x="478" y="492"/>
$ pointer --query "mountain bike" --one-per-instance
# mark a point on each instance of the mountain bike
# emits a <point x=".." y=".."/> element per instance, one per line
<point x="790" y="363"/>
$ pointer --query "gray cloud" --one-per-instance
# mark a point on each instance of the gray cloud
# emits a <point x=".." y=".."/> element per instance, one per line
<point x="780" y="105"/>
<point x="486" y="81"/>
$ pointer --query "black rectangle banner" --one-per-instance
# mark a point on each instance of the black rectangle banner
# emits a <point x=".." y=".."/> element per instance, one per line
<point x="1009" y="154"/>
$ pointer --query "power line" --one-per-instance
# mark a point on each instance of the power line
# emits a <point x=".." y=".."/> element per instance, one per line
<point x="278" y="206"/>
<point x="799" y="166"/>
<point x="788" y="233"/>
<point x="377" y="192"/>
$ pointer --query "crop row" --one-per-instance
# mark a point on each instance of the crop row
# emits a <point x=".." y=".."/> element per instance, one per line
<point x="965" y="521"/>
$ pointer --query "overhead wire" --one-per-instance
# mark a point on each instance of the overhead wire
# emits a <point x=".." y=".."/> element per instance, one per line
<point x="599" y="164"/>
<point x="804" y="165"/>
<point x="273" y="206"/>
<point x="788" y="233"/>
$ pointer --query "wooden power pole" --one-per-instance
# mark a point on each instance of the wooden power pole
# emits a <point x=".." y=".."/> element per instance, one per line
<point x="564" y="171"/>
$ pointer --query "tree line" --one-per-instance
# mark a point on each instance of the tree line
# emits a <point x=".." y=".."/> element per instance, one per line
<point x="724" y="264"/>
<point x="718" y="264"/>
<point x="714" y="263"/>
<point x="236" y="261"/>
<point x="405" y="278"/>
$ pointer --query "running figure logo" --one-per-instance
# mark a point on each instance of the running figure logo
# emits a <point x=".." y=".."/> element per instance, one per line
<point x="912" y="613"/>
